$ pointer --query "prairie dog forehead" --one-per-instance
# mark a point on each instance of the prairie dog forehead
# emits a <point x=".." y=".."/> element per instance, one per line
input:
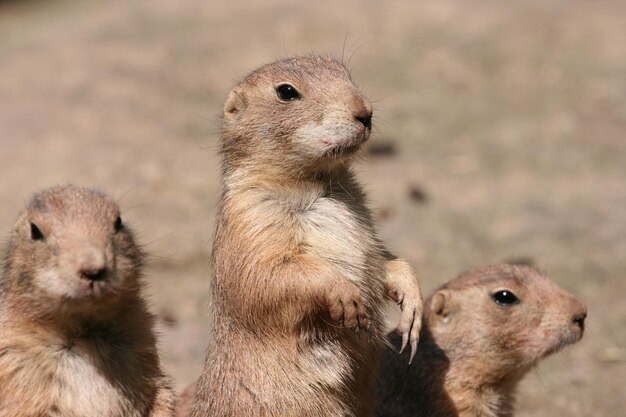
<point x="494" y="276"/>
<point x="307" y="71"/>
<point x="70" y="204"/>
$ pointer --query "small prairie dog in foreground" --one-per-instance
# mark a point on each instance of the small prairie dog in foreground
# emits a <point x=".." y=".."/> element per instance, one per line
<point x="483" y="331"/>
<point x="76" y="338"/>
<point x="299" y="275"/>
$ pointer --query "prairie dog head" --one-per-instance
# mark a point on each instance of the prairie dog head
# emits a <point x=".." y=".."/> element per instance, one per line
<point x="71" y="251"/>
<point x="298" y="114"/>
<point x="507" y="317"/>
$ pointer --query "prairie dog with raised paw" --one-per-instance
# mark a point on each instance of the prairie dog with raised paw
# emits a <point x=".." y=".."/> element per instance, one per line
<point x="483" y="331"/>
<point x="299" y="274"/>
<point x="76" y="337"/>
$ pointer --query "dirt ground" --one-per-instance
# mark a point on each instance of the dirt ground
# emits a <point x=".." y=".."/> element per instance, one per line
<point x="504" y="124"/>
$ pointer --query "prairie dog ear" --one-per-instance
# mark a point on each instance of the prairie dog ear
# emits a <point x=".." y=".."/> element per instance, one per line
<point x="235" y="103"/>
<point x="441" y="306"/>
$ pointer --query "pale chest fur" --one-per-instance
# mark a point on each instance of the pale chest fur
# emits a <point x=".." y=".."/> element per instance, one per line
<point x="76" y="371"/>
<point x="333" y="226"/>
<point x="56" y="380"/>
<point x="310" y="218"/>
<point x="332" y="230"/>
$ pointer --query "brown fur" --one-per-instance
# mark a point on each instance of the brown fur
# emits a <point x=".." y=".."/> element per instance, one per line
<point x="472" y="352"/>
<point x="299" y="275"/>
<point x="76" y="337"/>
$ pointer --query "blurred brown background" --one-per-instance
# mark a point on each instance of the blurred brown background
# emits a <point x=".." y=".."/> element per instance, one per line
<point x="500" y="136"/>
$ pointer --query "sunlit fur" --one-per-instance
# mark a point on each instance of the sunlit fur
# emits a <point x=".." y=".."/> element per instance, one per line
<point x="472" y="352"/>
<point x="292" y="230"/>
<point x="70" y="346"/>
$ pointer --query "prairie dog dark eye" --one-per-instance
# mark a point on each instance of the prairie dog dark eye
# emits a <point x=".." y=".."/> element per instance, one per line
<point x="35" y="233"/>
<point x="287" y="92"/>
<point x="504" y="298"/>
<point x="117" y="226"/>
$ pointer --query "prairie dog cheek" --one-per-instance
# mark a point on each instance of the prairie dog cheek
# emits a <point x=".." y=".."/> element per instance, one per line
<point x="51" y="281"/>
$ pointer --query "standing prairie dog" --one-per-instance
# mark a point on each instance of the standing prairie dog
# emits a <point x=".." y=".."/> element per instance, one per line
<point x="299" y="275"/>
<point x="482" y="333"/>
<point x="76" y="337"/>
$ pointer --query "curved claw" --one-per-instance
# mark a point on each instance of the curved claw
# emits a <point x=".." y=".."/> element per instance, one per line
<point x="410" y="335"/>
<point x="405" y="340"/>
<point x="413" y="350"/>
<point x="414" y="337"/>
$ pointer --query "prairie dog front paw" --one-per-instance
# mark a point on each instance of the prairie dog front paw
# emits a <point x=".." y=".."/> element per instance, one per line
<point x="403" y="288"/>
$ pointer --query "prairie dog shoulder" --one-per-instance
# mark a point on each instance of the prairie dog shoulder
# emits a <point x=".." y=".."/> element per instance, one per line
<point x="76" y="337"/>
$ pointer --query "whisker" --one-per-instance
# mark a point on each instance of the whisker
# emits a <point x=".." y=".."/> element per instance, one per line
<point x="343" y="47"/>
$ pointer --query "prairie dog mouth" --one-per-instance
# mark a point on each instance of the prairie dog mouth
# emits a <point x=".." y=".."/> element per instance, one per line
<point x="333" y="137"/>
<point x="568" y="338"/>
<point x="343" y="149"/>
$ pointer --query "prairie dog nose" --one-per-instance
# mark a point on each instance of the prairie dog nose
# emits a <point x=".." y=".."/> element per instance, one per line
<point x="579" y="315"/>
<point x="362" y="110"/>
<point x="93" y="274"/>
<point x="579" y="319"/>
<point x="92" y="264"/>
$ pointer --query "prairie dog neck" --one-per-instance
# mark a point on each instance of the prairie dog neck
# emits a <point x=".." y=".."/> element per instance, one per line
<point x="131" y="319"/>
<point x="268" y="179"/>
<point x="243" y="191"/>
<point x="472" y="398"/>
